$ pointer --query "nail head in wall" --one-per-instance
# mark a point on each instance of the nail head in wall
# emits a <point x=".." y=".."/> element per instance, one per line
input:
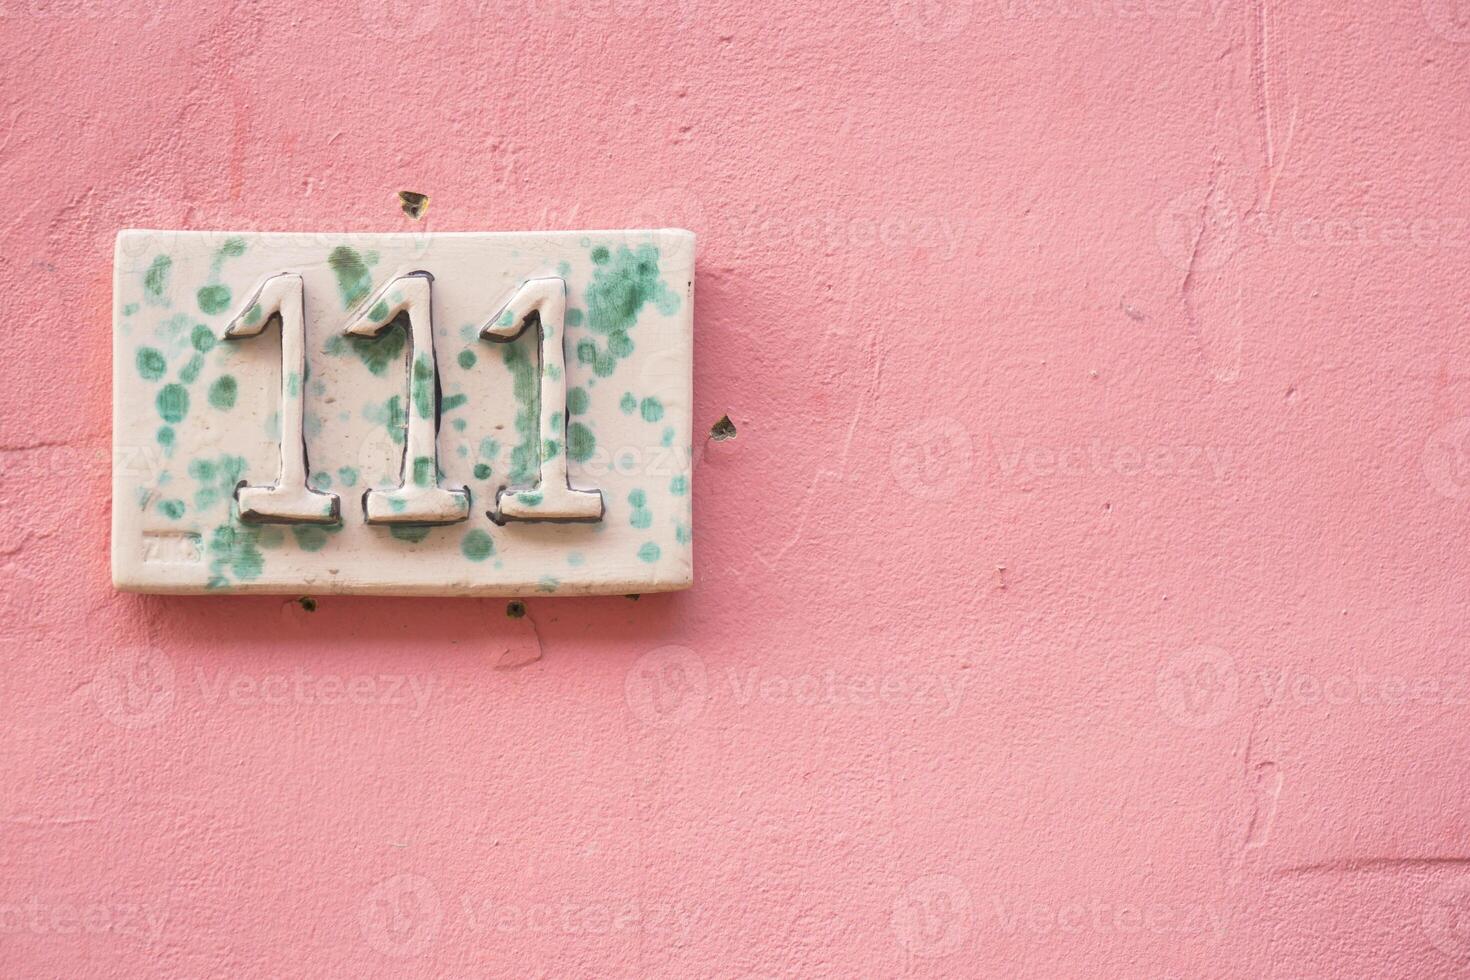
<point x="515" y="609"/>
<point x="414" y="203"/>
<point x="308" y="603"/>
<point x="722" y="430"/>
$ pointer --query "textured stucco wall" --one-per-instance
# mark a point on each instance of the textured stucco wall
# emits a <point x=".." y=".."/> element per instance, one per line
<point x="1084" y="593"/>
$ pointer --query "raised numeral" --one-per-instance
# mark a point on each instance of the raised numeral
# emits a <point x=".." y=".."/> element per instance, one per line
<point x="418" y="498"/>
<point x="290" y="500"/>
<point x="542" y="303"/>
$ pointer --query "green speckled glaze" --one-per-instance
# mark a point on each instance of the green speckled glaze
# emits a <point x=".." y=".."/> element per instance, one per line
<point x="528" y="409"/>
<point x="210" y="413"/>
<point x="477" y="545"/>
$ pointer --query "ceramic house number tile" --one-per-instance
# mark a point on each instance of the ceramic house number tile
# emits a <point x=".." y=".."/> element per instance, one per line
<point x="440" y="414"/>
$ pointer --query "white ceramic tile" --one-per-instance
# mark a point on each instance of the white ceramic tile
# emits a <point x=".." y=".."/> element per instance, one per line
<point x="275" y="408"/>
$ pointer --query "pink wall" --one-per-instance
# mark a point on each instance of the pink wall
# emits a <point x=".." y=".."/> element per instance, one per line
<point x="1085" y="592"/>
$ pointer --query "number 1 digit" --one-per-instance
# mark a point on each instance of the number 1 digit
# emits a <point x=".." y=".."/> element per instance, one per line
<point x="543" y="302"/>
<point x="418" y="498"/>
<point x="290" y="501"/>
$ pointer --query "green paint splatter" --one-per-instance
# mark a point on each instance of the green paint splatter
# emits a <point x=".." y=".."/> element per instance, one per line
<point x="203" y="338"/>
<point x="353" y="278"/>
<point x="165" y="436"/>
<point x="348" y="476"/>
<point x="681" y="534"/>
<point x="619" y="291"/>
<point x="467" y="359"/>
<point x="176" y="329"/>
<point x="641" y="517"/>
<point x="652" y="409"/>
<point x="172" y="509"/>
<point x="190" y="371"/>
<point x="151" y="364"/>
<point x="378" y="353"/>
<point x="155" y="281"/>
<point x="214" y="298"/>
<point x="397" y="418"/>
<point x="574" y="317"/>
<point x="309" y="538"/>
<point x="523" y="458"/>
<point x="628" y="403"/>
<point x="621" y="285"/>
<point x="489" y="448"/>
<point x="173" y="402"/>
<point x="649" y="552"/>
<point x="603" y="364"/>
<point x="390" y="415"/>
<point x="482" y="471"/>
<point x="423" y="471"/>
<point x="549" y="449"/>
<point x="322" y="481"/>
<point x="218" y="481"/>
<point x="412" y="533"/>
<point x="577" y="401"/>
<point x="679" y="486"/>
<point x="477" y="545"/>
<point x="452" y="402"/>
<point x="237" y="549"/>
<point x="223" y="391"/>
<point x="233" y="248"/>
<point x="581" y="443"/>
